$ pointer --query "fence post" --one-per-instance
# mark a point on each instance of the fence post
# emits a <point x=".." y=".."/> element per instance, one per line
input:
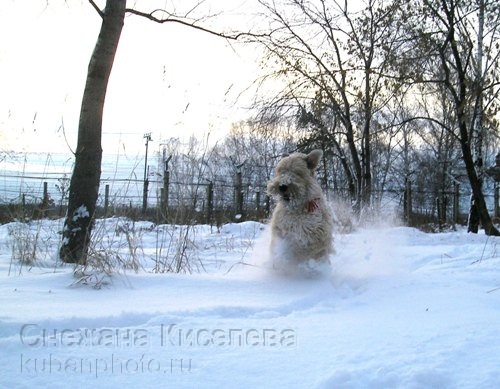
<point x="45" y="200"/>
<point x="145" y="192"/>
<point x="24" y="206"/>
<point x="210" y="202"/>
<point x="45" y="191"/>
<point x="238" y="194"/>
<point x="165" y="191"/>
<point x="106" y="200"/>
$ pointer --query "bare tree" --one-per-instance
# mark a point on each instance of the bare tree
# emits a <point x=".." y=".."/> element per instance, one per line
<point x="443" y="54"/>
<point x="84" y="186"/>
<point x="332" y="60"/>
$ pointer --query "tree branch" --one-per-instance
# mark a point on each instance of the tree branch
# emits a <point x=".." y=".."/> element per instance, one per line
<point x="173" y="19"/>
<point x="98" y="10"/>
<point x="431" y="120"/>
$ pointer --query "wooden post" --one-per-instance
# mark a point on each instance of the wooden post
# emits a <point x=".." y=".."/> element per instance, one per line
<point x="24" y="206"/>
<point x="106" y="200"/>
<point x="165" y="194"/>
<point x="165" y="191"/>
<point x="45" y="192"/>
<point x="145" y="196"/>
<point x="238" y="194"/>
<point x="210" y="202"/>
<point x="45" y="200"/>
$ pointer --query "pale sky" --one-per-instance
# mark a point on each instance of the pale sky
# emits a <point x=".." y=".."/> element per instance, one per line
<point x="167" y="79"/>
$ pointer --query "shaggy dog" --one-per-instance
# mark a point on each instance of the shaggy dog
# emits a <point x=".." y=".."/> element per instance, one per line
<point x="302" y="224"/>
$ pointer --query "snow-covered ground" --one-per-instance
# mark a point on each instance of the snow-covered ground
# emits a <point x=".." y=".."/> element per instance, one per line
<point x="397" y="309"/>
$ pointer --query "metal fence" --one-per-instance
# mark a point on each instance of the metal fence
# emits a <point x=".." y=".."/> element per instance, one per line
<point x="211" y="201"/>
<point x="38" y="184"/>
<point x="201" y="201"/>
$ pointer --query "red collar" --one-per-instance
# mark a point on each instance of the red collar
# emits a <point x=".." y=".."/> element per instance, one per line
<point x="312" y="205"/>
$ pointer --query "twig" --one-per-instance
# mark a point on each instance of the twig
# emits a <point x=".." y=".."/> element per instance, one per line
<point x="240" y="263"/>
<point x="98" y="10"/>
<point x="482" y="254"/>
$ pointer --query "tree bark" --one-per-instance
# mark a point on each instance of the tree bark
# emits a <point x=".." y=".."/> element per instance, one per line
<point x="84" y="186"/>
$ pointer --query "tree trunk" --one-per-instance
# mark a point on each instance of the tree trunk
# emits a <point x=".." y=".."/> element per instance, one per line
<point x="367" y="173"/>
<point x="477" y="200"/>
<point x="477" y="123"/>
<point x="84" y="186"/>
<point x="366" y="142"/>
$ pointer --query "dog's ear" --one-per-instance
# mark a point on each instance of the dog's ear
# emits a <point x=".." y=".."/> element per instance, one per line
<point x="313" y="159"/>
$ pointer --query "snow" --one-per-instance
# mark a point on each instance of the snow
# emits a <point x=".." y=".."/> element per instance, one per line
<point x="397" y="308"/>
<point x="80" y="213"/>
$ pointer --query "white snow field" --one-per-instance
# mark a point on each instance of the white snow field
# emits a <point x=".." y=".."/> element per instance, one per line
<point x="398" y="308"/>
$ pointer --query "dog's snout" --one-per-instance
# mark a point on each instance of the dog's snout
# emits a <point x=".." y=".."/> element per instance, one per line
<point x="283" y="188"/>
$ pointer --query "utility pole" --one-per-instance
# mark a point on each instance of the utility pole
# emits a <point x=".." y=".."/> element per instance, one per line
<point x="147" y="136"/>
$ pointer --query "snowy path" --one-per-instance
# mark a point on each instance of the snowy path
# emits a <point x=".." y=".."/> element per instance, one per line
<point x="400" y="309"/>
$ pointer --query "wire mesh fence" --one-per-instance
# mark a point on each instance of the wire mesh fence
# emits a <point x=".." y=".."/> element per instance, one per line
<point x="211" y="202"/>
<point x="201" y="201"/>
<point x="178" y="196"/>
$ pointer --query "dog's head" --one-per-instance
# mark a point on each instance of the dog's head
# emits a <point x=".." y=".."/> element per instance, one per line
<point x="295" y="175"/>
